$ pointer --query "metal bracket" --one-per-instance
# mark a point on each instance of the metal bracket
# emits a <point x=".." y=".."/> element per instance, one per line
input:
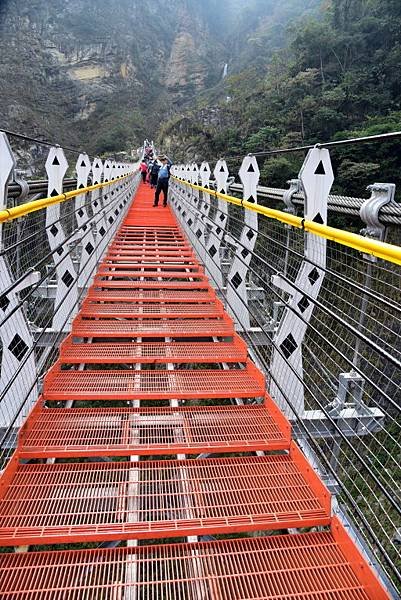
<point x="278" y="308"/>
<point x="349" y="395"/>
<point x="381" y="194"/>
<point x="295" y="188"/>
<point x="31" y="278"/>
<point x="23" y="185"/>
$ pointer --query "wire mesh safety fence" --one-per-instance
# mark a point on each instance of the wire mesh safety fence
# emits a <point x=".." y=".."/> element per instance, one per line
<point x="48" y="258"/>
<point x="332" y="358"/>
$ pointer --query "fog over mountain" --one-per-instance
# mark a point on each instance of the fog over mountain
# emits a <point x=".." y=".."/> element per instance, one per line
<point x="207" y="78"/>
<point x="105" y="73"/>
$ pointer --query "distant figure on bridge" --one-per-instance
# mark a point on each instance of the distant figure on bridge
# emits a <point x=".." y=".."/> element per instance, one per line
<point x="154" y="168"/>
<point x="162" y="180"/>
<point x="148" y="152"/>
<point x="143" y="167"/>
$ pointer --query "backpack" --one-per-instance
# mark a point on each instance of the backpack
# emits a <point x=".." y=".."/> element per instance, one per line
<point x="155" y="168"/>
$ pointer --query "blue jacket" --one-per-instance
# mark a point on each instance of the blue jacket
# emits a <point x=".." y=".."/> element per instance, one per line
<point x="164" y="172"/>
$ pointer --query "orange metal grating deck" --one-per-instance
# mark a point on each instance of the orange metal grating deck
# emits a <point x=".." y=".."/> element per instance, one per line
<point x="150" y="295"/>
<point x="151" y="310"/>
<point x="133" y="297"/>
<point x="311" y="566"/>
<point x="124" y="284"/>
<point x="81" y="502"/>
<point x="152" y="352"/>
<point x="176" y="328"/>
<point x="114" y="275"/>
<point x="151" y="431"/>
<point x="153" y="385"/>
<point x="164" y="268"/>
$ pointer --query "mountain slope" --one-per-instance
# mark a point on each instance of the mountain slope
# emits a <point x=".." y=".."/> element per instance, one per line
<point x="101" y="72"/>
<point x="105" y="73"/>
<point x="335" y="77"/>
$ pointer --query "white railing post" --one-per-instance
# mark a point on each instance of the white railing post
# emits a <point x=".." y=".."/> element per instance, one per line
<point x="66" y="303"/>
<point x="97" y="207"/>
<point x="88" y="257"/>
<point x="237" y="295"/>
<point x="317" y="177"/>
<point x="204" y="207"/>
<point x="15" y="335"/>
<point x="213" y="244"/>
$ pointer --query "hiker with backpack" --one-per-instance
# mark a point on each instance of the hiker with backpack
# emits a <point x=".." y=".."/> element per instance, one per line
<point x="162" y="180"/>
<point x="154" y="168"/>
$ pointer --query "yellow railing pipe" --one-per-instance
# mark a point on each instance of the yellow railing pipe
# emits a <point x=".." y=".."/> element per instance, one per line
<point x="9" y="214"/>
<point x="366" y="245"/>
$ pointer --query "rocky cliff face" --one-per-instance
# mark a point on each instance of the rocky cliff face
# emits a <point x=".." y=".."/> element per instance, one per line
<point x="104" y="74"/>
<point x="101" y="73"/>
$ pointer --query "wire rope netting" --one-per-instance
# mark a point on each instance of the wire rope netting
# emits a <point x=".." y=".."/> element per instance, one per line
<point x="350" y="369"/>
<point x="32" y="263"/>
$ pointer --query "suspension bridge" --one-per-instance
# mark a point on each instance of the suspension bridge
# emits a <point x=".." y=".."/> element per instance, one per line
<point x="199" y="400"/>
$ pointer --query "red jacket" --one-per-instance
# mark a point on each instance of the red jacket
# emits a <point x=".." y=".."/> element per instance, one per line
<point x="143" y="167"/>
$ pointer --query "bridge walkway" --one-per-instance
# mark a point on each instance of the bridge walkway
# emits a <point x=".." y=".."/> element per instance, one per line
<point x="152" y="375"/>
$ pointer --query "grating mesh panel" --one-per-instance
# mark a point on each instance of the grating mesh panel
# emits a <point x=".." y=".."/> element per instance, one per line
<point x="150" y="295"/>
<point x="129" y="385"/>
<point x="81" y="432"/>
<point x="154" y="352"/>
<point x="152" y="328"/>
<point x="164" y="267"/>
<point x="93" y="309"/>
<point x="152" y="285"/>
<point x="59" y="503"/>
<point x="112" y="274"/>
<point x="311" y="566"/>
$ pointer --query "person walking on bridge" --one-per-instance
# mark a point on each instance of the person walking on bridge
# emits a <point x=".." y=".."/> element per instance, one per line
<point x="154" y="168"/>
<point x="143" y="167"/>
<point x="162" y="180"/>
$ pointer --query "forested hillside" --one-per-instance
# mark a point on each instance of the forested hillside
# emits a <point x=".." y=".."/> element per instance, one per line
<point x="104" y="74"/>
<point x="208" y="78"/>
<point x="337" y="76"/>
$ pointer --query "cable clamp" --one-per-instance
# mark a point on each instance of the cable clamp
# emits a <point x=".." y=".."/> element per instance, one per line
<point x="303" y="224"/>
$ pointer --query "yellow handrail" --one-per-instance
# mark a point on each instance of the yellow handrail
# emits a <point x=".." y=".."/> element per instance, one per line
<point x="382" y="250"/>
<point x="9" y="214"/>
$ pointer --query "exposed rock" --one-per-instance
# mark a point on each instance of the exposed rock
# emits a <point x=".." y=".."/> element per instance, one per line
<point x="69" y="69"/>
<point x="104" y="74"/>
<point x="184" y="66"/>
